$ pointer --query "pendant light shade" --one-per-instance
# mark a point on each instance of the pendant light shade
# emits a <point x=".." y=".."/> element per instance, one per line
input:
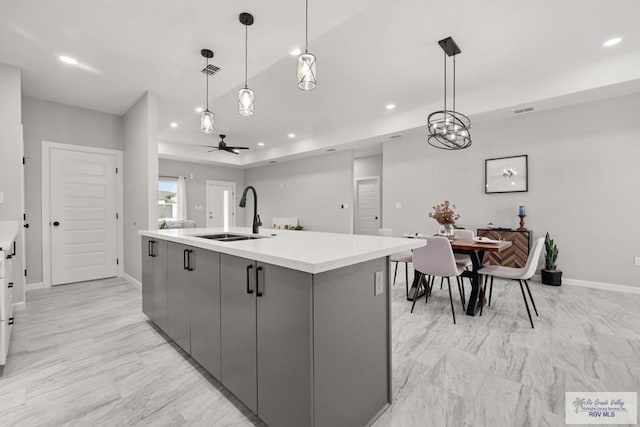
<point x="449" y="129"/>
<point x="206" y="117"/>
<point x="306" y="60"/>
<point x="246" y="97"/>
<point x="206" y="122"/>
<point x="245" y="102"/>
<point x="307" y="71"/>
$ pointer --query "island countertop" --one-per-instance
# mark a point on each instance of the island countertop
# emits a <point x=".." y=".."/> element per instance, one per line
<point x="8" y="233"/>
<point x="308" y="251"/>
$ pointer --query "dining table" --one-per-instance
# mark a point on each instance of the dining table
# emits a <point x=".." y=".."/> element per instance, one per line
<point x="476" y="250"/>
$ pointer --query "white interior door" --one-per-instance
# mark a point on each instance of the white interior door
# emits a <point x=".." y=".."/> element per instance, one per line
<point x="368" y="205"/>
<point x="83" y="209"/>
<point x="221" y="204"/>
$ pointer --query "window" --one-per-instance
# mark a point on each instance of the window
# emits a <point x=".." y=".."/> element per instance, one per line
<point x="167" y="198"/>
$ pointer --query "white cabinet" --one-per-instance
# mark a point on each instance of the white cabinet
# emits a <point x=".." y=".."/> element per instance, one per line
<point x="6" y="297"/>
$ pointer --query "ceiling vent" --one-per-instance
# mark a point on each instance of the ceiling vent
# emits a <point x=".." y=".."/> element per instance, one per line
<point x="523" y="110"/>
<point x="396" y="136"/>
<point x="210" y="70"/>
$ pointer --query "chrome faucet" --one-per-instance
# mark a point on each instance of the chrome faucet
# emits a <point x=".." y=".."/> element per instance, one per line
<point x="243" y="203"/>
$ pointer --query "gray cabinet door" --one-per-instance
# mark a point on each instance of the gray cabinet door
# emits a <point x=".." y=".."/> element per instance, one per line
<point x="178" y="318"/>
<point x="159" y="251"/>
<point x="147" y="278"/>
<point x="284" y="328"/>
<point x="238" y="328"/>
<point x="205" y="309"/>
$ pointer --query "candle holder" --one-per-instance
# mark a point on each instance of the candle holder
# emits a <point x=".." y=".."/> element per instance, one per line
<point x="522" y="227"/>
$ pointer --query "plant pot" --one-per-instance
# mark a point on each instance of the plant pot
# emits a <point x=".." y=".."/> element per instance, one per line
<point x="551" y="277"/>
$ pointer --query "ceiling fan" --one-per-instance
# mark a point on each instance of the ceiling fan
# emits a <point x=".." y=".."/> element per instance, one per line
<point x="222" y="146"/>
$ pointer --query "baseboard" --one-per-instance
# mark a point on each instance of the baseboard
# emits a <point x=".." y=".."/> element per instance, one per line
<point x="18" y="306"/>
<point x="34" y="286"/>
<point x="596" y="285"/>
<point x="132" y="280"/>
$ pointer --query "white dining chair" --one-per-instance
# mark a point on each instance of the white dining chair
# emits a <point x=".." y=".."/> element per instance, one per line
<point x="435" y="260"/>
<point x="520" y="275"/>
<point x="404" y="257"/>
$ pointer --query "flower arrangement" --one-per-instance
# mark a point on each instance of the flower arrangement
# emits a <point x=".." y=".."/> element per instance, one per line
<point x="444" y="213"/>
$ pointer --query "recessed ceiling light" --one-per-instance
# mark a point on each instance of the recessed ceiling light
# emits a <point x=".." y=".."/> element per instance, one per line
<point x="68" y="60"/>
<point x="391" y="106"/>
<point x="295" y="52"/>
<point x="261" y="144"/>
<point x="612" y="42"/>
<point x="174" y="125"/>
<point x="199" y="109"/>
<point x="292" y="135"/>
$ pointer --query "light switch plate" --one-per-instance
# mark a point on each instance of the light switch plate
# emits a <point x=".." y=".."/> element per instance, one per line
<point x="379" y="283"/>
<point x="398" y="205"/>
<point x="638" y="261"/>
<point x="1" y="197"/>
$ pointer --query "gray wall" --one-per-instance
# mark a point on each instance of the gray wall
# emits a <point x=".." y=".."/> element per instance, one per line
<point x="311" y="189"/>
<point x="11" y="162"/>
<point x="197" y="188"/>
<point x="140" y="177"/>
<point x="53" y="122"/>
<point x="367" y="166"/>
<point x="583" y="184"/>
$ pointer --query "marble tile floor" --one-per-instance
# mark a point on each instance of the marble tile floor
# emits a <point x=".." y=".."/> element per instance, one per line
<point x="84" y="355"/>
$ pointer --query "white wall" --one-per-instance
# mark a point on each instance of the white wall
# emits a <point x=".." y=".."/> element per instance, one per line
<point x="367" y="166"/>
<point x="11" y="162"/>
<point x="584" y="184"/>
<point x="140" y="178"/>
<point x="53" y="122"/>
<point x="311" y="189"/>
<point x="197" y="188"/>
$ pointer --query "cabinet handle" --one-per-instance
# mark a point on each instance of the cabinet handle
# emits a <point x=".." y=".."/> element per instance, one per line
<point x="189" y="265"/>
<point x="10" y="321"/>
<point x="185" y="256"/>
<point x="249" y="268"/>
<point x="10" y="285"/>
<point x="258" y="293"/>
<point x="150" y="249"/>
<point x="14" y="248"/>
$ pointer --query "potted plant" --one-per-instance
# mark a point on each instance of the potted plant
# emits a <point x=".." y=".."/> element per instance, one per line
<point x="550" y="274"/>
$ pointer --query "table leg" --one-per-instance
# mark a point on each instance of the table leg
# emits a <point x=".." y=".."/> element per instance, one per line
<point x="476" y="299"/>
<point x="414" y="286"/>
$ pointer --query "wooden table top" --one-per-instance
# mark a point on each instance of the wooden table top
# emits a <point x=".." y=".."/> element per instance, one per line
<point x="470" y="245"/>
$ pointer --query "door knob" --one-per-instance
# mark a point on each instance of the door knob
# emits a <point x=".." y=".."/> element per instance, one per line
<point x="56" y="223"/>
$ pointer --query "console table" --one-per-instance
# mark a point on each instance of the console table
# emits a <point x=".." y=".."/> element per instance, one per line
<point x="516" y="255"/>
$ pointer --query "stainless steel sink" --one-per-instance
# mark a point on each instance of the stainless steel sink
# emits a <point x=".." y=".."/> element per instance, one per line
<point x="229" y="237"/>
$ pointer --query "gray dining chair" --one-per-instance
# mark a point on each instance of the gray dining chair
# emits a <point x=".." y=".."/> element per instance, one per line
<point x="435" y="260"/>
<point x="404" y="257"/>
<point x="520" y="275"/>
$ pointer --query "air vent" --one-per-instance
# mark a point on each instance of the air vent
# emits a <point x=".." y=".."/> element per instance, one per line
<point x="210" y="70"/>
<point x="330" y="150"/>
<point x="523" y="110"/>
<point x="396" y="136"/>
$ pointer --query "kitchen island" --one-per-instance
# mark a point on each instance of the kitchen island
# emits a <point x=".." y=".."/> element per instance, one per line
<point x="296" y="324"/>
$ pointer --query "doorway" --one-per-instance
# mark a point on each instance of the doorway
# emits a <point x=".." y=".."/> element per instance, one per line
<point x="81" y="209"/>
<point x="368" y="218"/>
<point x="221" y="204"/>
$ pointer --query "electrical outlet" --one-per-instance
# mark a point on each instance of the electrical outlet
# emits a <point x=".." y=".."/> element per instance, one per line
<point x="638" y="261"/>
<point x="1" y="197"/>
<point x="379" y="283"/>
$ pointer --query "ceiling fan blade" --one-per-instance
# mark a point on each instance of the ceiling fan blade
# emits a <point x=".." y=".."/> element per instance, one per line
<point x="229" y="150"/>
<point x="238" y="148"/>
<point x="208" y="146"/>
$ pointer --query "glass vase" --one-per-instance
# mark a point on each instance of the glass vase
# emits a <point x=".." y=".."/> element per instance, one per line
<point x="447" y="230"/>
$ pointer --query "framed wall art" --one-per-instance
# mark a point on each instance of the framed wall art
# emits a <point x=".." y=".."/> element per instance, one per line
<point x="506" y="175"/>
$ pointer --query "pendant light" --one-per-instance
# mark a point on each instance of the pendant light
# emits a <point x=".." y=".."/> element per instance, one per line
<point x="206" y="117"/>
<point x="306" y="60"/>
<point x="245" y="95"/>
<point x="449" y="129"/>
